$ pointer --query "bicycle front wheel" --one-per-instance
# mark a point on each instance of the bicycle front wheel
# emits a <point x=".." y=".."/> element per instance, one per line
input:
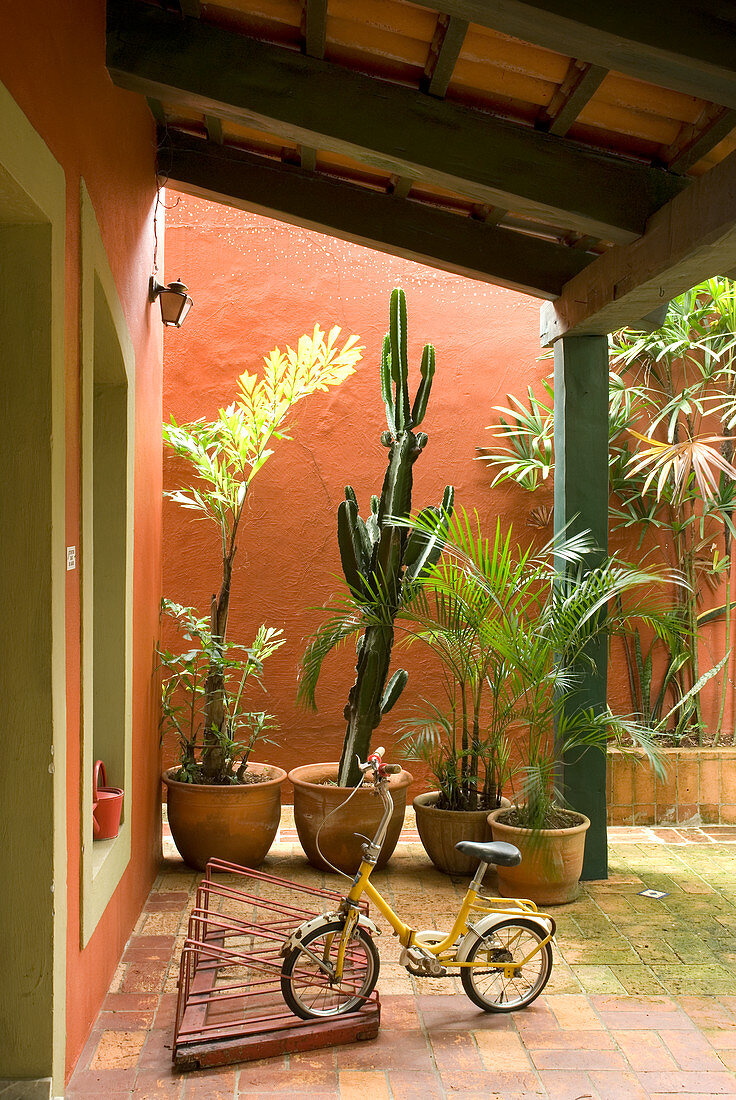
<point x="509" y="942"/>
<point x="308" y="983"/>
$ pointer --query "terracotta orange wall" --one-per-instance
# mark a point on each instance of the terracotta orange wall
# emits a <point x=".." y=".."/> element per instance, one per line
<point x="52" y="59"/>
<point x="257" y="283"/>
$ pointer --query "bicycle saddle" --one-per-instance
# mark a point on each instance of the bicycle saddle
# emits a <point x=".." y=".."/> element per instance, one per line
<point x="494" y="851"/>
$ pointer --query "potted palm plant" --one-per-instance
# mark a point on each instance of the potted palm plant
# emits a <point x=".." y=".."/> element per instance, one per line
<point x="540" y="624"/>
<point x="225" y="457"/>
<point x="382" y="561"/>
<point x="464" y="740"/>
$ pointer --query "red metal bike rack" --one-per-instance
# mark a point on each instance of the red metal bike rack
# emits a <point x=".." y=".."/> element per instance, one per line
<point x="230" y="1007"/>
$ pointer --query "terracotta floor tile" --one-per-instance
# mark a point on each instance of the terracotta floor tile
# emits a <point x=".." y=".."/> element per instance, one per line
<point x="680" y="1081"/>
<point x="101" y="1082"/>
<point x="691" y="1051"/>
<point x="455" y="1052"/>
<point x="574" y="1012"/>
<point x="160" y="1084"/>
<point x="502" y="1050"/>
<point x="412" y="1052"/>
<point x="286" y="1082"/>
<point x="492" y="1083"/>
<point x="408" y="1085"/>
<point x="118" y="1050"/>
<point x="574" y="1059"/>
<point x="216" y="1084"/>
<point x="562" y="1085"/>
<point x="557" y="1039"/>
<point x="354" y="1085"/>
<point x="617" y="1086"/>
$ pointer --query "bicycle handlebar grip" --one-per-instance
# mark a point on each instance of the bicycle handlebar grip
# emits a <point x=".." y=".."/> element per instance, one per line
<point x="391" y="769"/>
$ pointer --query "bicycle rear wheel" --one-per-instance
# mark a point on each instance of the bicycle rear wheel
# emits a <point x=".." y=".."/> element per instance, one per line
<point x="312" y="992"/>
<point x="512" y="941"/>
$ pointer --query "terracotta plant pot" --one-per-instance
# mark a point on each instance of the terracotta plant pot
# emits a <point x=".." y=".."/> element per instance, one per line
<point x="551" y="861"/>
<point x="315" y="799"/>
<point x="236" y="823"/>
<point x="440" y="830"/>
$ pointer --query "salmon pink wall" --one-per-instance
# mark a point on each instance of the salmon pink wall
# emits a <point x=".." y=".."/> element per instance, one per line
<point x="257" y="283"/>
<point x="52" y="60"/>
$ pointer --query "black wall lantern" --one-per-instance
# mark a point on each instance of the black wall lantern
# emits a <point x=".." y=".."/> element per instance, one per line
<point x="174" y="301"/>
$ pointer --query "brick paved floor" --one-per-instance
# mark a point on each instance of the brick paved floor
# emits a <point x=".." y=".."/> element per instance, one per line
<point x="641" y="1002"/>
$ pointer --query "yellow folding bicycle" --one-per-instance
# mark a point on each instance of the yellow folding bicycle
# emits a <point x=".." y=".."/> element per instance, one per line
<point x="501" y="947"/>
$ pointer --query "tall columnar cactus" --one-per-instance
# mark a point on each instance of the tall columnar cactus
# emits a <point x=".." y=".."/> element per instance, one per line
<point x="380" y="557"/>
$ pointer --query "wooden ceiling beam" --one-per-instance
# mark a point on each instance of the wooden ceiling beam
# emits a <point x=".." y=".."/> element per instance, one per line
<point x="446" y="47"/>
<point x="686" y="45"/>
<point x="690" y="239"/>
<point x="349" y="212"/>
<point x="400" y="130"/>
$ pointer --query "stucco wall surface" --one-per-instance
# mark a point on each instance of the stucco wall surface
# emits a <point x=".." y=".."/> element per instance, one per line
<point x="256" y="284"/>
<point x="52" y="59"/>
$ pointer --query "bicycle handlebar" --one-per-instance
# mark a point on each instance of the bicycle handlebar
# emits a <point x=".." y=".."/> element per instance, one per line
<point x="375" y="763"/>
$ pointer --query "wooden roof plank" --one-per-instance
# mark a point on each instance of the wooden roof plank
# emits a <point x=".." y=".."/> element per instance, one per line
<point x="315" y="103"/>
<point x="444" y="56"/>
<point x="690" y="239"/>
<point x="349" y="212"/>
<point x="687" y="45"/>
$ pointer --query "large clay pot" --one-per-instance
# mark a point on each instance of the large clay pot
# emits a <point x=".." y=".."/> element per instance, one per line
<point x="314" y="799"/>
<point x="440" y="830"/>
<point x="236" y="823"/>
<point x="551" y="861"/>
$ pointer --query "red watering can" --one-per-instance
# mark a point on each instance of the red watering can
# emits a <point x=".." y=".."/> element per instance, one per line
<point x="107" y="805"/>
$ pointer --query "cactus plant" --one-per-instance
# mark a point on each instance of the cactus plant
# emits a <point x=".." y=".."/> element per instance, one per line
<point x="381" y="558"/>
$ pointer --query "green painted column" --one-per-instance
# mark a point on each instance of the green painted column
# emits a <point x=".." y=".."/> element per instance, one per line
<point x="581" y="500"/>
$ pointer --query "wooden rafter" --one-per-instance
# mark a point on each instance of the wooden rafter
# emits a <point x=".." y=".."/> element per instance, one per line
<point x="686" y="45"/>
<point x="214" y="128"/>
<point x="699" y="140"/>
<point x="353" y="213"/>
<point x="315" y="27"/>
<point x="315" y="103"/>
<point x="581" y="83"/>
<point x="444" y="52"/>
<point x="690" y="239"/>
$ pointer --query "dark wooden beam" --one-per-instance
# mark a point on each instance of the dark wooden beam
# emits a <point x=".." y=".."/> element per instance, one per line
<point x="191" y="8"/>
<point x="315" y="27"/>
<point x="400" y="227"/>
<point x="580" y="85"/>
<point x="443" y="54"/>
<point x="690" y="239"/>
<point x="402" y="131"/>
<point x="687" y="45"/>
<point x="704" y="137"/>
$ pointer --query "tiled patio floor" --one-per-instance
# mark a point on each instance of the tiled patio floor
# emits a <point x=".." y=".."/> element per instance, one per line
<point x="641" y="1003"/>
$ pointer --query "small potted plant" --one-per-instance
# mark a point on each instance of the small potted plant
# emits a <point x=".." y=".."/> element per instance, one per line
<point x="382" y="562"/>
<point x="225" y="457"/>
